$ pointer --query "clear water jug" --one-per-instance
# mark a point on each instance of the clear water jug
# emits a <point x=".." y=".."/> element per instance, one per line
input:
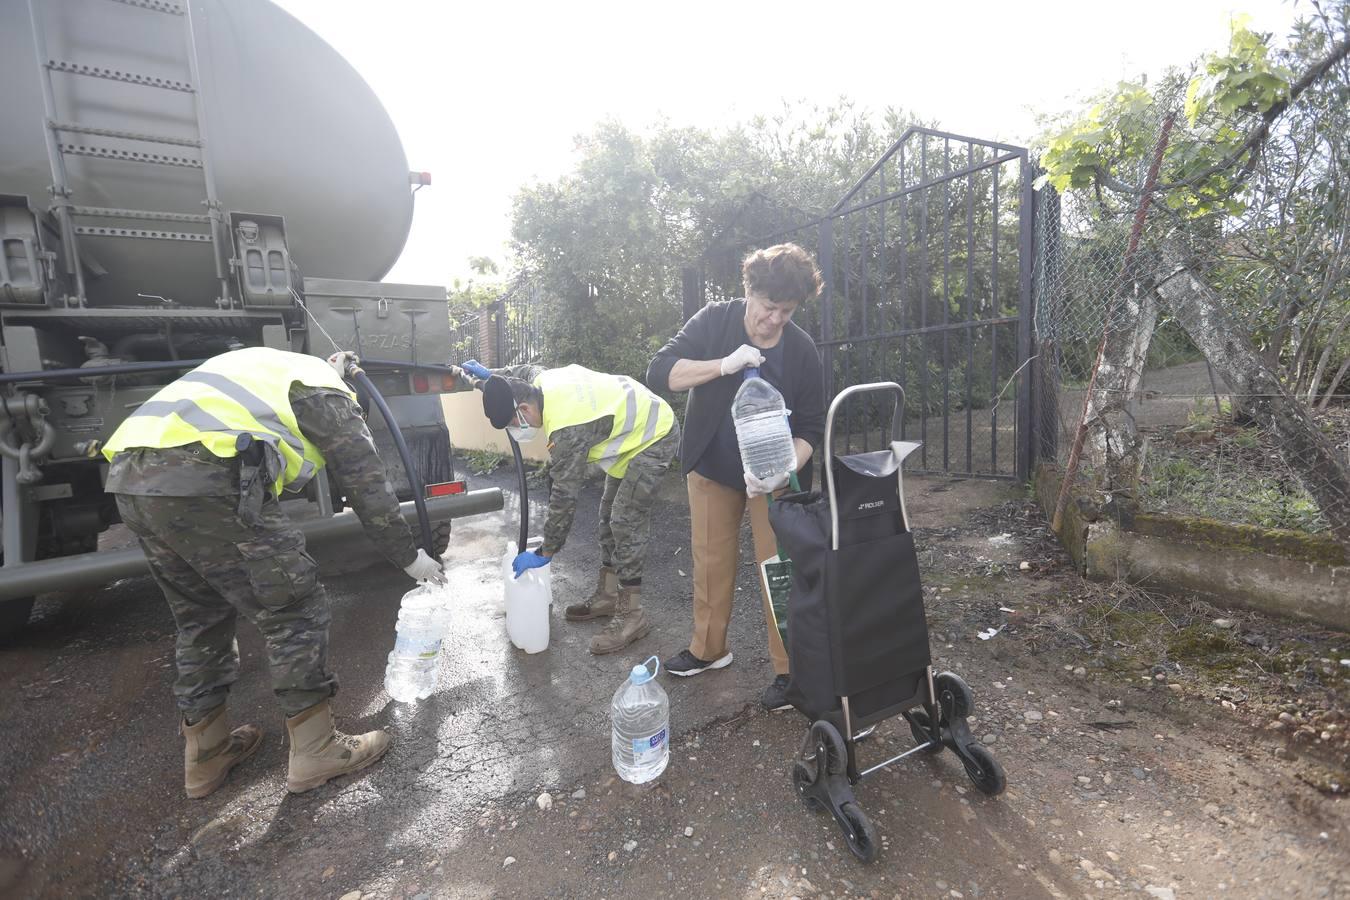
<point x="640" y="716"/>
<point x="423" y="619"/>
<point x="762" y="431"/>
<point x="527" y="601"/>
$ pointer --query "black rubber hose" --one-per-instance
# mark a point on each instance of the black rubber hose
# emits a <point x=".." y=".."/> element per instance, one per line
<point x="99" y="371"/>
<point x="169" y="366"/>
<point x="524" y="495"/>
<point x="414" y="478"/>
<point x="395" y="364"/>
<point x="521" y="480"/>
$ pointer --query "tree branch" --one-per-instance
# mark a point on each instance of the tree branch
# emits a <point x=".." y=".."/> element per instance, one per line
<point x="1255" y="138"/>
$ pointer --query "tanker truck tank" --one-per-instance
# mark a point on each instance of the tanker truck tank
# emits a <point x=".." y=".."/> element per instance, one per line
<point x="179" y="178"/>
<point x="291" y="131"/>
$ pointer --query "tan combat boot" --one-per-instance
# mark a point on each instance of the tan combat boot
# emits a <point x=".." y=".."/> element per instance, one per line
<point x="628" y="625"/>
<point x="212" y="750"/>
<point x="320" y="752"/>
<point x="602" y="601"/>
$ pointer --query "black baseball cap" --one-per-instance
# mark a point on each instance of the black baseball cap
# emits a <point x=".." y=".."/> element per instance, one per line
<point x="498" y="403"/>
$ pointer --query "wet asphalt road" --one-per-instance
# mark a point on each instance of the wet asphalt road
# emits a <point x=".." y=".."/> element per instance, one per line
<point x="1175" y="800"/>
<point x="90" y="793"/>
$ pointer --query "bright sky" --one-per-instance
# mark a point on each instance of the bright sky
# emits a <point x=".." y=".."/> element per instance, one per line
<point x="488" y="96"/>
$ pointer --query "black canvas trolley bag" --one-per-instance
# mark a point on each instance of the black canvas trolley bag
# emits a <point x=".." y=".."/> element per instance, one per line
<point x="857" y="634"/>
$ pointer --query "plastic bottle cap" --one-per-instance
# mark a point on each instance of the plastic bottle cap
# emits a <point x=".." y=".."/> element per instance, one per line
<point x="641" y="674"/>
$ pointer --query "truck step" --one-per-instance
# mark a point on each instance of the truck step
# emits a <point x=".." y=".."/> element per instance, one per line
<point x="112" y="212"/>
<point x="142" y="233"/>
<point x="74" y="68"/>
<point x="162" y="6"/>
<point x="130" y="156"/>
<point x="72" y="128"/>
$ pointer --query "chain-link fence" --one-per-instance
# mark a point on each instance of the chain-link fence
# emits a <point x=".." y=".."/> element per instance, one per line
<point x="1200" y="362"/>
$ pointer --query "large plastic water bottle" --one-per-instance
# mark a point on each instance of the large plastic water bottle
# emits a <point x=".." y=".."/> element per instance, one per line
<point x="762" y="431"/>
<point x="423" y="618"/>
<point x="527" y="600"/>
<point x="640" y="714"/>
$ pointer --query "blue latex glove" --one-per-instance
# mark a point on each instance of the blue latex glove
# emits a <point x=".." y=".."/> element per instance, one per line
<point x="528" y="560"/>
<point x="476" y="369"/>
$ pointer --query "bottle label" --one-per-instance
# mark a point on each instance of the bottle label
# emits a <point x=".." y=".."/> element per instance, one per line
<point x="649" y="749"/>
<point x="426" y="648"/>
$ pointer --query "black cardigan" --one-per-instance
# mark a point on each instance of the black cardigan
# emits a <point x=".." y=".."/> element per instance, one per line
<point x="714" y="332"/>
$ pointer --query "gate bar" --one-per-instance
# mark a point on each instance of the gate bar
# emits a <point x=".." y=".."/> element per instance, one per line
<point x="899" y="143"/>
<point x="1023" y="430"/>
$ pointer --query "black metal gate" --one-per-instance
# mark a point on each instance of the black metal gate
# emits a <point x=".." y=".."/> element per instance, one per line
<point x="927" y="263"/>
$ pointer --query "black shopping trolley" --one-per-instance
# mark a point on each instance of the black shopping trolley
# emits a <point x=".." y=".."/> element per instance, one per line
<point x="857" y="634"/>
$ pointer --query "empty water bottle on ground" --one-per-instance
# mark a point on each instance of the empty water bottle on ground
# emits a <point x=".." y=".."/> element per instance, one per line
<point x="423" y="618"/>
<point x="762" y="430"/>
<point x="640" y="714"/>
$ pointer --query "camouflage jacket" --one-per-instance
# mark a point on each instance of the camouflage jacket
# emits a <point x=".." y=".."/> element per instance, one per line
<point x="331" y="422"/>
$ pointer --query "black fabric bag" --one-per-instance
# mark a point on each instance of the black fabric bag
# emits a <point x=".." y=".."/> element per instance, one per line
<point x="856" y="624"/>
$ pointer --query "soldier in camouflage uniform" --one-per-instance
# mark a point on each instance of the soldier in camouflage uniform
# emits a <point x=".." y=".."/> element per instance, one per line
<point x="219" y="546"/>
<point x="635" y="452"/>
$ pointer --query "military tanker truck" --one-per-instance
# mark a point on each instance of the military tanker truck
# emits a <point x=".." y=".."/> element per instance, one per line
<point x="179" y="178"/>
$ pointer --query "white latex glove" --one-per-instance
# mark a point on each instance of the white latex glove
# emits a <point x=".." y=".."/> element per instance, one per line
<point x="755" y="487"/>
<point x="342" y="361"/>
<point x="424" y="568"/>
<point x="744" y="356"/>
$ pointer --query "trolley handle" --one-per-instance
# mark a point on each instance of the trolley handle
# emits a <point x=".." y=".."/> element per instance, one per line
<point x="899" y="395"/>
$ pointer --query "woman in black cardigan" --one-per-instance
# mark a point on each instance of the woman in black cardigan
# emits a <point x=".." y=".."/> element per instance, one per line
<point x="707" y="358"/>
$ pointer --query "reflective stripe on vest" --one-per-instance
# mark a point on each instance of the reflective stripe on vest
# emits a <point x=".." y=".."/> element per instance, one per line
<point x="574" y="395"/>
<point x="244" y="392"/>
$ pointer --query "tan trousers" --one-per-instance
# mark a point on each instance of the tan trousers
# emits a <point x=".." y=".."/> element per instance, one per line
<point x="715" y="515"/>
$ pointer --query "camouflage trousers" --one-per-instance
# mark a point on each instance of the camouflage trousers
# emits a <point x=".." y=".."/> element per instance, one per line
<point x="626" y="507"/>
<point x="213" y="568"/>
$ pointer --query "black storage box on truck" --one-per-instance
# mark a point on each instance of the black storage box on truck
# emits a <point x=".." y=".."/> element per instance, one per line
<point x="167" y="170"/>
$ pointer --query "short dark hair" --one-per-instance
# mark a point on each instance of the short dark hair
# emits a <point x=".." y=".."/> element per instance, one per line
<point x="784" y="273"/>
<point x="524" y="392"/>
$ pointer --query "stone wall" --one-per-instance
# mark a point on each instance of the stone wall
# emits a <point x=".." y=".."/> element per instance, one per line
<point x="1285" y="573"/>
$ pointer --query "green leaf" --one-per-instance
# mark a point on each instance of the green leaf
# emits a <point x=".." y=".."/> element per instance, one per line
<point x="1195" y="105"/>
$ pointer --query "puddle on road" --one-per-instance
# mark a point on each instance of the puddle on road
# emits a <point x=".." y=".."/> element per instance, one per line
<point x="501" y="723"/>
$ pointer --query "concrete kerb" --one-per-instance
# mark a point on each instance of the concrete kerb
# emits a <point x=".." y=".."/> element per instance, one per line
<point x="1268" y="570"/>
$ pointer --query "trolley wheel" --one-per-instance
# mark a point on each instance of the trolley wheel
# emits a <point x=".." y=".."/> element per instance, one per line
<point x="962" y="700"/>
<point x="803" y="779"/>
<point x="860" y="834"/>
<point x="831" y="754"/>
<point x="920" y="732"/>
<point x="984" y="770"/>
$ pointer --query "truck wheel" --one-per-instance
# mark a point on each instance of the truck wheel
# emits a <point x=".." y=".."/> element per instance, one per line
<point x="440" y="537"/>
<point x="14" y="616"/>
<point x="14" y="613"/>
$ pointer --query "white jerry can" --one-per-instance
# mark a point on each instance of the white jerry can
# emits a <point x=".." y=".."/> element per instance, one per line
<point x="527" y="599"/>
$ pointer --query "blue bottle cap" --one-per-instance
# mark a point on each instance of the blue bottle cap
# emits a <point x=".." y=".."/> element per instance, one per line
<point x="641" y="674"/>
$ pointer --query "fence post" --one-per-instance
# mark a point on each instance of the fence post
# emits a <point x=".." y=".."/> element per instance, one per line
<point x="825" y="259"/>
<point x="1025" y="421"/>
<point x="489" y="335"/>
<point x="691" y="285"/>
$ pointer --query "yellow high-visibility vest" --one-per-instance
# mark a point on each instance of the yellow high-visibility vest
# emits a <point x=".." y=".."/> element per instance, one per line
<point x="243" y="392"/>
<point x="574" y="395"/>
